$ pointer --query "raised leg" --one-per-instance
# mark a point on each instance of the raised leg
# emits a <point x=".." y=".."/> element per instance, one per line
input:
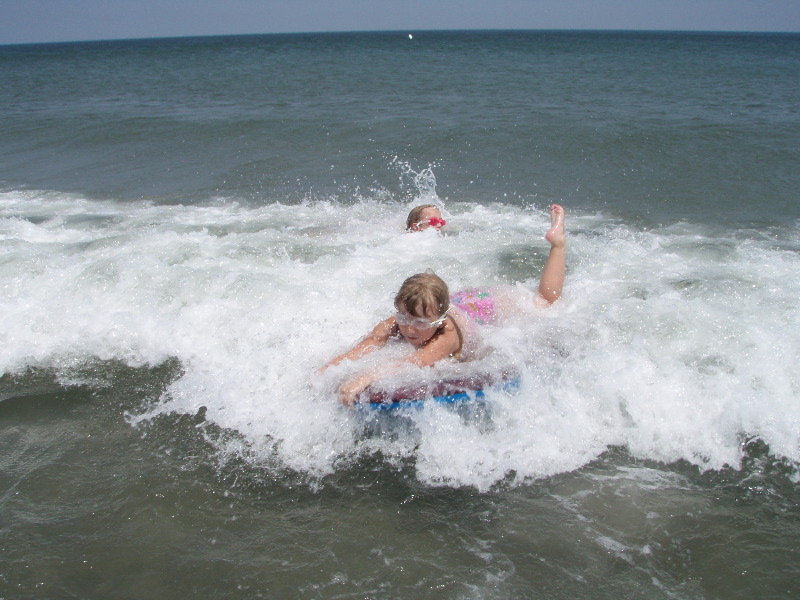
<point x="552" y="281"/>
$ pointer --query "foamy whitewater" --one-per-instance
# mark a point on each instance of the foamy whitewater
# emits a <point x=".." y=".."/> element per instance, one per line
<point x="677" y="342"/>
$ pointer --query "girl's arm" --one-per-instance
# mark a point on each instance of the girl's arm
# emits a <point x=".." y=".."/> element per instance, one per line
<point x="376" y="339"/>
<point x="442" y="346"/>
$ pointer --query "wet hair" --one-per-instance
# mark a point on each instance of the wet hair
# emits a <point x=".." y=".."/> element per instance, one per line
<point x="415" y="216"/>
<point x="423" y="295"/>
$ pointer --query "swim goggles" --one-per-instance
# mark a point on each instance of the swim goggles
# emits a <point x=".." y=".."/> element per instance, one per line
<point x="433" y="222"/>
<point x="418" y="322"/>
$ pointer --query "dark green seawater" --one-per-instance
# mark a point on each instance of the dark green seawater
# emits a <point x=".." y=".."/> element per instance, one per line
<point x="190" y="227"/>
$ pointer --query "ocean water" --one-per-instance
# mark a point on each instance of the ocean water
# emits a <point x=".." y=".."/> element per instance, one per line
<point x="189" y="228"/>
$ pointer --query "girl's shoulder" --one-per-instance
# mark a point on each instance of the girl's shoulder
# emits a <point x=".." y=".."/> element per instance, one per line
<point x="468" y="335"/>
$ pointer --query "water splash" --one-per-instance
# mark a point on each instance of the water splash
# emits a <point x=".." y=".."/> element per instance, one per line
<point x="654" y="346"/>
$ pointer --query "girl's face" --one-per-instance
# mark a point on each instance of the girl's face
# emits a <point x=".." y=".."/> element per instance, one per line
<point x="430" y="217"/>
<point x="416" y="330"/>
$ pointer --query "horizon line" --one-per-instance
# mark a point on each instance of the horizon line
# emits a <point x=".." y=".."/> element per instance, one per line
<point x="407" y="31"/>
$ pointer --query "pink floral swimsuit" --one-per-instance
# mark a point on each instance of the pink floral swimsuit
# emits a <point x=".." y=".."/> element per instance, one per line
<point x="476" y="304"/>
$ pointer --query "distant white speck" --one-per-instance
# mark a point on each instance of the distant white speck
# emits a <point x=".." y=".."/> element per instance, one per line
<point x="411" y="37"/>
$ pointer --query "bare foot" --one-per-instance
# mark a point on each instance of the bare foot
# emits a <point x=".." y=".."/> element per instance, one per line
<point x="556" y="234"/>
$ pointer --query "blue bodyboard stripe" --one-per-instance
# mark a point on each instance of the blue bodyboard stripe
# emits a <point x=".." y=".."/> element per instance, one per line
<point x="511" y="385"/>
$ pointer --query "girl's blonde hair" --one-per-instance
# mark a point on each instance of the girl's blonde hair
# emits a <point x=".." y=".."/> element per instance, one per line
<point x="414" y="216"/>
<point x="423" y="295"/>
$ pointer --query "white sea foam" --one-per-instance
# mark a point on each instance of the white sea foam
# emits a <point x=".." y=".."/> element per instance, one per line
<point x="677" y="343"/>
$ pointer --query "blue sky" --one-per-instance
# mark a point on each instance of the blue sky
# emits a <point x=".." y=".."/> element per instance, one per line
<point x="23" y="21"/>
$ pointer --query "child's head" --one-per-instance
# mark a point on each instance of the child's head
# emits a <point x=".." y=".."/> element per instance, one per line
<point x="424" y="216"/>
<point x="423" y="295"/>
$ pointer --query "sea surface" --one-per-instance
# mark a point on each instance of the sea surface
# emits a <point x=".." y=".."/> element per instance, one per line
<point x="190" y="228"/>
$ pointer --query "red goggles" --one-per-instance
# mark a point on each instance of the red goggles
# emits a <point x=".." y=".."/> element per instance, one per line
<point x="433" y="222"/>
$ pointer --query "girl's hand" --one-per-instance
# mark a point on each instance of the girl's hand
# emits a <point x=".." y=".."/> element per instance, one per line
<point x="349" y="390"/>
